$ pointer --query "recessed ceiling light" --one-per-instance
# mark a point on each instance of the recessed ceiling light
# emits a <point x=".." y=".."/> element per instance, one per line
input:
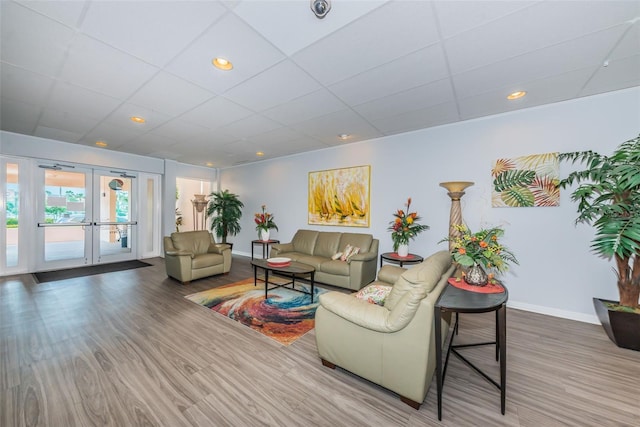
<point x="516" y="95"/>
<point x="209" y="164"/>
<point x="222" y="64"/>
<point x="259" y="154"/>
<point x="137" y="119"/>
<point x="344" y="136"/>
<point x="101" y="144"/>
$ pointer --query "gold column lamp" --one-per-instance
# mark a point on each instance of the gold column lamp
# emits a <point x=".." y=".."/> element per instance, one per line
<point x="199" y="218"/>
<point x="456" y="191"/>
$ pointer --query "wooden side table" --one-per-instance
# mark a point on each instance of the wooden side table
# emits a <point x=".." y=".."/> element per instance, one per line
<point x="394" y="258"/>
<point x="457" y="301"/>
<point x="265" y="246"/>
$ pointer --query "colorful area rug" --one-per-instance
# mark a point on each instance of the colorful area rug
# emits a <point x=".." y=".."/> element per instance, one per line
<point x="285" y="315"/>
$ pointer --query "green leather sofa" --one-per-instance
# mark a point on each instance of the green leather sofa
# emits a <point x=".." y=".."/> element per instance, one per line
<point x="316" y="248"/>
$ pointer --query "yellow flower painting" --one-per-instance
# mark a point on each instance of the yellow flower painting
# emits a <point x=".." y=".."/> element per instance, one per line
<point x="526" y="181"/>
<point x="340" y="196"/>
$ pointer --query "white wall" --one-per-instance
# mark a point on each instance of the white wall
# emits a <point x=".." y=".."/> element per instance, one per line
<point x="557" y="274"/>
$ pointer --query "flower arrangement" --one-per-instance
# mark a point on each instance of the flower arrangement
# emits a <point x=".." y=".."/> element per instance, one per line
<point x="264" y="221"/>
<point x="481" y="247"/>
<point x="405" y="226"/>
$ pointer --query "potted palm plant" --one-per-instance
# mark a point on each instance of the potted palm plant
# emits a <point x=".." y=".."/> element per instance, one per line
<point x="608" y="198"/>
<point x="225" y="211"/>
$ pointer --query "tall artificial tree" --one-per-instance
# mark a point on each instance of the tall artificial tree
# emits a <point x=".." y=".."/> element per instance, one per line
<point x="225" y="211"/>
<point x="609" y="199"/>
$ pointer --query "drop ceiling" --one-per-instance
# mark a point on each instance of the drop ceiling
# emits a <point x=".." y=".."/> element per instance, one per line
<point x="76" y="71"/>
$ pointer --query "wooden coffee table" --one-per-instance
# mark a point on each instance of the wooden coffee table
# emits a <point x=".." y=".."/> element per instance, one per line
<point x="292" y="271"/>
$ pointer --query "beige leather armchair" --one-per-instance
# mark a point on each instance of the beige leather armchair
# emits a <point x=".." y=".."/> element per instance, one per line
<point x="391" y="345"/>
<point x="191" y="255"/>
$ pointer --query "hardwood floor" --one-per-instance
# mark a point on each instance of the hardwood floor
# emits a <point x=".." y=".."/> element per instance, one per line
<point x="126" y="349"/>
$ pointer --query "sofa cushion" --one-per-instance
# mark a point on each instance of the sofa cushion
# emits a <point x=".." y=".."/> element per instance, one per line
<point x="327" y="244"/>
<point x="362" y="241"/>
<point x="195" y="241"/>
<point x="424" y="276"/>
<point x="206" y="260"/>
<point x="304" y="241"/>
<point x="314" y="261"/>
<point x="338" y="267"/>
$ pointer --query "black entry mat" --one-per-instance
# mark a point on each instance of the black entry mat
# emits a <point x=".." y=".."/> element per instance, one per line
<point x="71" y="273"/>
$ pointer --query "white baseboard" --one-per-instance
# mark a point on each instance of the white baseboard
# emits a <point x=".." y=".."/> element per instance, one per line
<point x="564" y="314"/>
<point x="571" y="315"/>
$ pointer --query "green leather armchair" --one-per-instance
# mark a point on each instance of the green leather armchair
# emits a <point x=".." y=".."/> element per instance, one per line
<point x="191" y="255"/>
<point x="391" y="345"/>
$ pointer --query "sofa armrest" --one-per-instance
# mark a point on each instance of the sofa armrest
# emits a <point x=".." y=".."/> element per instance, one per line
<point x="279" y="248"/>
<point x="390" y="273"/>
<point x="180" y="253"/>
<point x="366" y="256"/>
<point x="218" y="248"/>
<point x="356" y="311"/>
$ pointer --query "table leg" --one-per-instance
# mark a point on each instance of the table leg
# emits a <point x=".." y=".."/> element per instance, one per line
<point x="503" y="355"/>
<point x="255" y="275"/>
<point x="438" y="331"/>
<point x="264" y="250"/>
<point x="266" y="282"/>
<point x="313" y="273"/>
<point x="497" y="335"/>
<point x="252" y="245"/>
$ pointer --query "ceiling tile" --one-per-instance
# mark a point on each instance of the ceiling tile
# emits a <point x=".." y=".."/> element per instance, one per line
<point x="122" y="117"/>
<point x="230" y="38"/>
<point x="327" y="128"/>
<point x="274" y="137"/>
<point x="279" y="84"/>
<point x="22" y="85"/>
<point x="548" y="90"/>
<point x="458" y="16"/>
<point x="180" y="131"/>
<point x="115" y="136"/>
<point x="65" y="12"/>
<point x="619" y="74"/>
<point x="588" y="51"/>
<point x="415" y="69"/>
<point x="250" y="126"/>
<point x="78" y="100"/>
<point x="41" y="51"/>
<point x="418" y="119"/>
<point x="145" y="28"/>
<point x="94" y="65"/>
<point x="216" y="112"/>
<point x="170" y="94"/>
<point x="385" y="34"/>
<point x="19" y="117"/>
<point x="630" y="43"/>
<point x="57" y="134"/>
<point x="418" y="98"/>
<point x="76" y="123"/>
<point x="315" y="104"/>
<point x="278" y="20"/>
<point x="487" y="44"/>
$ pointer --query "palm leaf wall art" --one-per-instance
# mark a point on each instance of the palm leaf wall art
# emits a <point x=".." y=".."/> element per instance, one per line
<point x="526" y="181"/>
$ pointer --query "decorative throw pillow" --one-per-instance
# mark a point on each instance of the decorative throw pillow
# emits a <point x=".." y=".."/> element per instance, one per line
<point x="336" y="256"/>
<point x="374" y="294"/>
<point x="346" y="252"/>
<point x="354" y="251"/>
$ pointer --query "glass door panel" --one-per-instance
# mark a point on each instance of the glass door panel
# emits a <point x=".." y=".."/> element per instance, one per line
<point x="115" y="223"/>
<point x="64" y="221"/>
<point x="12" y="213"/>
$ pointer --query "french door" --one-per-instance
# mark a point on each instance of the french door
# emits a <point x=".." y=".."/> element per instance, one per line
<point x="85" y="216"/>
